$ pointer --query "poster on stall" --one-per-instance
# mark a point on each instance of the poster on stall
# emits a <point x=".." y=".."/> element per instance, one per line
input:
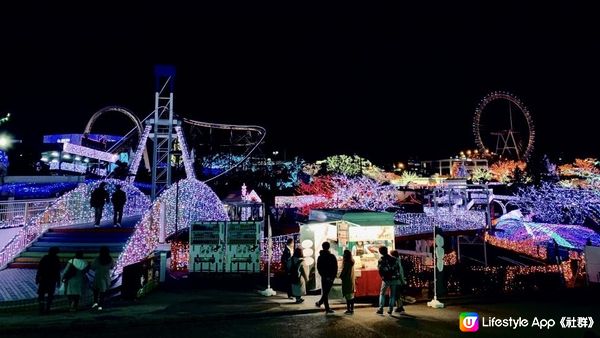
<point x="243" y="249"/>
<point x="342" y="234"/>
<point x="206" y="247"/>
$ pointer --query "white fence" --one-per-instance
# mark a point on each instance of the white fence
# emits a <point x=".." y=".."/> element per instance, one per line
<point x="15" y="213"/>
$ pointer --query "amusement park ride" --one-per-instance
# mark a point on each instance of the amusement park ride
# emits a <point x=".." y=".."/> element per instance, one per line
<point x="165" y="129"/>
<point x="514" y="136"/>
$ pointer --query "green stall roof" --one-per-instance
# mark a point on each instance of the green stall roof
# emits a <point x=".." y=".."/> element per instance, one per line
<point x="369" y="218"/>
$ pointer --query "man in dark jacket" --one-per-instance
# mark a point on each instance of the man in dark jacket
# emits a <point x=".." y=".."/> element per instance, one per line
<point x="99" y="197"/>
<point x="327" y="268"/>
<point x="48" y="278"/>
<point x="389" y="270"/>
<point x="286" y="265"/>
<point x="118" y="200"/>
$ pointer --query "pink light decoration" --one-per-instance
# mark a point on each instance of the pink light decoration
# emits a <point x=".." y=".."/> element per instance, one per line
<point x="72" y="208"/>
<point x="197" y="202"/>
<point x="135" y="164"/>
<point x="350" y="193"/>
<point x="187" y="161"/>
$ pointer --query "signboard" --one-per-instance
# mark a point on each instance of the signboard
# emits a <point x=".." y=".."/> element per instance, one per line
<point x="342" y="234"/>
<point x="371" y="233"/>
<point x="243" y="249"/>
<point x="206" y="247"/>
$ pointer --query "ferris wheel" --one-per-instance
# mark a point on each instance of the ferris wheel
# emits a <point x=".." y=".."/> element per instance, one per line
<point x="502" y="118"/>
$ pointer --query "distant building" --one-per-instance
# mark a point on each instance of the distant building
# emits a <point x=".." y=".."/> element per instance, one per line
<point x="81" y="153"/>
<point x="444" y="167"/>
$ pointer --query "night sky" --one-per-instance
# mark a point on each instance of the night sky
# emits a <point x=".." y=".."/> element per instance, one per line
<point x="382" y="83"/>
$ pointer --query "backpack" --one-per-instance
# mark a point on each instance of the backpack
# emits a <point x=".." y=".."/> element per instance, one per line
<point x="389" y="269"/>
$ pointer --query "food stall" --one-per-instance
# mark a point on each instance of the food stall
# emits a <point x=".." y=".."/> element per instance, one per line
<point x="358" y="231"/>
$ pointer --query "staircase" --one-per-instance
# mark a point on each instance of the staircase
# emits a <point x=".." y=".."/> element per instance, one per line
<point x="17" y="281"/>
<point x="70" y="240"/>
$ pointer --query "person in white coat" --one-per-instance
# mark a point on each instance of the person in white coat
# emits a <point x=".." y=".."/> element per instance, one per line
<point x="75" y="279"/>
<point x="298" y="275"/>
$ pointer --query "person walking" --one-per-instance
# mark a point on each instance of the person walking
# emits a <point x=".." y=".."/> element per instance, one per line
<point x="118" y="200"/>
<point x="298" y="275"/>
<point x="348" y="281"/>
<point x="327" y="268"/>
<point x="97" y="200"/>
<point x="102" y="266"/>
<point x="286" y="266"/>
<point x="75" y="279"/>
<point x="401" y="284"/>
<point x="48" y="278"/>
<point x="390" y="278"/>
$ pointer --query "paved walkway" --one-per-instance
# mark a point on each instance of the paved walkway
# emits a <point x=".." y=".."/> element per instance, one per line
<point x="17" y="284"/>
<point x="169" y="307"/>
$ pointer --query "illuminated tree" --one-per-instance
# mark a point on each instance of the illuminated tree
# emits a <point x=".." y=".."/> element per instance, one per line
<point x="503" y="171"/>
<point x="345" y="165"/>
<point x="349" y="192"/>
<point x="550" y="203"/>
<point x="583" y="173"/>
<point x="311" y="169"/>
<point x="481" y="175"/>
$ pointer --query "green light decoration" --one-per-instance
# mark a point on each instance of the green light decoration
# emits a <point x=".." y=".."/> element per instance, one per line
<point x="5" y="119"/>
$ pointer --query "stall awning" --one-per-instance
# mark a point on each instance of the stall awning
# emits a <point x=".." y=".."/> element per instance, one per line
<point x="369" y="218"/>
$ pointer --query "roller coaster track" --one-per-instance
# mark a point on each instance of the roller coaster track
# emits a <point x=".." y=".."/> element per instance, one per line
<point x="258" y="129"/>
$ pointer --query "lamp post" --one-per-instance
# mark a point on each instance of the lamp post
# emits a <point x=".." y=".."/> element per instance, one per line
<point x="177" y="155"/>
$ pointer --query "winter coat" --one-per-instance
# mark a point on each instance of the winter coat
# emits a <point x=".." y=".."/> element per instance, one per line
<point x="385" y="266"/>
<point x="98" y="198"/>
<point x="102" y="275"/>
<point x="118" y="199"/>
<point x="298" y="266"/>
<point x="402" y="277"/>
<point x="348" y="278"/>
<point x="285" y="257"/>
<point x="48" y="273"/>
<point x="327" y="265"/>
<point x="77" y="284"/>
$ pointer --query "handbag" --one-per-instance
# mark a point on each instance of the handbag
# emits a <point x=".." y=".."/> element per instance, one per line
<point x="62" y="289"/>
<point x="69" y="272"/>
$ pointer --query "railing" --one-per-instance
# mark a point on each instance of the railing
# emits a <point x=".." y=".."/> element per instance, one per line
<point x="17" y="212"/>
<point x="71" y="208"/>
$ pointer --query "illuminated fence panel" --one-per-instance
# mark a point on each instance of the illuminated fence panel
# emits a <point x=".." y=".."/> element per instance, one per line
<point x="17" y="213"/>
<point x="279" y="243"/>
<point x="419" y="223"/>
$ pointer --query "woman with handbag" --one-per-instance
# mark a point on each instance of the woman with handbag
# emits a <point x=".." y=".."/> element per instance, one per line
<point x="75" y="284"/>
